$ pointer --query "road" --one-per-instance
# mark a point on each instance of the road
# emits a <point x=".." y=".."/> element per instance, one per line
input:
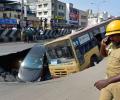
<point x="78" y="86"/>
<point x="14" y="47"/>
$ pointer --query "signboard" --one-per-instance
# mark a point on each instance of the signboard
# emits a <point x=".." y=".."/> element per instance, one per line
<point x="84" y="38"/>
<point x="58" y="17"/>
<point x="8" y="21"/>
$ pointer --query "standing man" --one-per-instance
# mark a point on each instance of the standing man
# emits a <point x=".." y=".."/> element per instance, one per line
<point x="110" y="46"/>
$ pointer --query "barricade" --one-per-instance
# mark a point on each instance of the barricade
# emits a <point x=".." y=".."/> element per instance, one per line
<point x="9" y="35"/>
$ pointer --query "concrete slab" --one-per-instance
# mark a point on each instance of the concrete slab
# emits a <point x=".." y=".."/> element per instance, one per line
<point x="14" y="47"/>
<point x="78" y="86"/>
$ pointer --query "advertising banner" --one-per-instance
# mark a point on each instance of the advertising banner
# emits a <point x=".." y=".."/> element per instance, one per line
<point x="74" y="16"/>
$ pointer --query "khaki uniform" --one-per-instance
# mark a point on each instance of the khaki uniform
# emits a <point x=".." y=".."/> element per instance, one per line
<point x="111" y="92"/>
<point x="113" y="69"/>
<point x="113" y="65"/>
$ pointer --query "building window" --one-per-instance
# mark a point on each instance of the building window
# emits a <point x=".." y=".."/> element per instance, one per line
<point x="61" y="14"/>
<point x="18" y="16"/>
<point x="59" y="6"/>
<point x="52" y="4"/>
<point x="40" y="13"/>
<point x="9" y="15"/>
<point x="53" y="12"/>
<point x="45" y="5"/>
<point x="62" y="7"/>
<point x="40" y="6"/>
<point x="83" y="17"/>
<point x="4" y="15"/>
<point x="45" y="12"/>
<point x="83" y="24"/>
<point x="15" y="16"/>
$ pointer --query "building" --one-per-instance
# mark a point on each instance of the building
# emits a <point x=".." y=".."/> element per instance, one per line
<point x="98" y="17"/>
<point x="53" y="11"/>
<point x="60" y="17"/>
<point x="9" y="13"/>
<point x="9" y="10"/>
<point x="83" y="19"/>
<point x="12" y="10"/>
<point x="60" y="14"/>
<point x="32" y="5"/>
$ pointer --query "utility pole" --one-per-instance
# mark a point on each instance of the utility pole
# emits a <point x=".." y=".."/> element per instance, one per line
<point x="22" y="19"/>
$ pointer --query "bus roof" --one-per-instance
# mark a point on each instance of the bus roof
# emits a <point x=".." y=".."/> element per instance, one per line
<point x="81" y="31"/>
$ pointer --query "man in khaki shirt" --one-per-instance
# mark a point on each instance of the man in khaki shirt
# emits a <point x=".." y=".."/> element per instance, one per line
<point x="110" y="46"/>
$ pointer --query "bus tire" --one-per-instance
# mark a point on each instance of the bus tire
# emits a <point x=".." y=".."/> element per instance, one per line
<point x="94" y="59"/>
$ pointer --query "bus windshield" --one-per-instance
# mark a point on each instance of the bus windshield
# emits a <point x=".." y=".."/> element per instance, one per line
<point x="34" y="58"/>
<point x="60" y="53"/>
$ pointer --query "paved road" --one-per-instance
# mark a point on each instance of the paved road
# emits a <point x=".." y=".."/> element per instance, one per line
<point x="13" y="47"/>
<point x="73" y="87"/>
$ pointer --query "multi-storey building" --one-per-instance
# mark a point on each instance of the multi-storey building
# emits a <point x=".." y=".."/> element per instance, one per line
<point x="45" y="10"/>
<point x="60" y="17"/>
<point x="52" y="10"/>
<point x="59" y="14"/>
<point x="10" y="9"/>
<point x="98" y="17"/>
<point x="83" y="18"/>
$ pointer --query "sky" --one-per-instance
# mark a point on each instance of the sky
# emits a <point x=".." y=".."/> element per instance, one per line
<point x="111" y="6"/>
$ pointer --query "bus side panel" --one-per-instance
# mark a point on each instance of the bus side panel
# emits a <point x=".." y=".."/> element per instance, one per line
<point x="87" y="57"/>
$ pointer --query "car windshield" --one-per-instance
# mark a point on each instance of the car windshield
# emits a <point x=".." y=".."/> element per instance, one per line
<point x="34" y="58"/>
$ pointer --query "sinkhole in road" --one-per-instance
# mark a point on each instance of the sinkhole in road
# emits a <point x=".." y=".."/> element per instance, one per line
<point x="9" y="65"/>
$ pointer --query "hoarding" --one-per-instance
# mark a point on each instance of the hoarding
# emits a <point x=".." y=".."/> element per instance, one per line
<point x="74" y="16"/>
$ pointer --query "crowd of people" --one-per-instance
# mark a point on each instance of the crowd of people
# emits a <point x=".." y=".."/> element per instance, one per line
<point x="30" y="34"/>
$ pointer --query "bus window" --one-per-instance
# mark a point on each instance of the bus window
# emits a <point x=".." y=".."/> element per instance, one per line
<point x="52" y="53"/>
<point x="91" y="35"/>
<point x="80" y="56"/>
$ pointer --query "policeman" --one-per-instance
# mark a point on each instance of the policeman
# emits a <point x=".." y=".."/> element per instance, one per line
<point x="110" y="46"/>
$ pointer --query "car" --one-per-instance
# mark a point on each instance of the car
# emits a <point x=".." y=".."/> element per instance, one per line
<point x="35" y="65"/>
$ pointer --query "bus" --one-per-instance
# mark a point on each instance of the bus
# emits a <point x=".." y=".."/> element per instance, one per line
<point x="76" y="51"/>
